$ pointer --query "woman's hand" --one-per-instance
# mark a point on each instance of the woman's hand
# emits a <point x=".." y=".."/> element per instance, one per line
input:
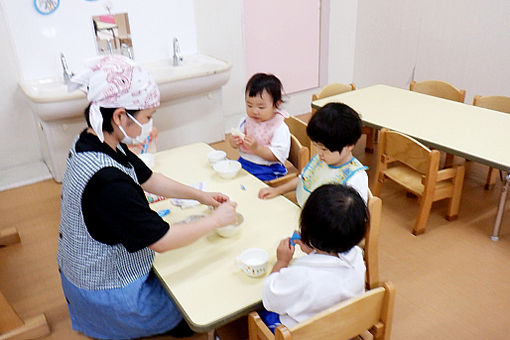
<point x="213" y="199"/>
<point x="225" y="214"/>
<point x="267" y="193"/>
<point x="235" y="141"/>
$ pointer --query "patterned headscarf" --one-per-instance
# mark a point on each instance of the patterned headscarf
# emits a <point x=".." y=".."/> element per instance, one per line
<point x="115" y="81"/>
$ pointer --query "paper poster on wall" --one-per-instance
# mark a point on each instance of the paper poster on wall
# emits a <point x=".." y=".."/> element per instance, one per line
<point x="282" y="37"/>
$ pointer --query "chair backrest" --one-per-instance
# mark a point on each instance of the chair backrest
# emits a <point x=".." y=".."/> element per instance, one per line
<point x="371" y="310"/>
<point x="331" y="90"/>
<point x="298" y="157"/>
<point x="371" y="244"/>
<point x="298" y="129"/>
<point x="497" y="103"/>
<point x="438" y="88"/>
<point x="396" y="146"/>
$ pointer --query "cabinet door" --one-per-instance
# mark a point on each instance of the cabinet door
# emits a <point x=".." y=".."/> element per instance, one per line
<point x="282" y="37"/>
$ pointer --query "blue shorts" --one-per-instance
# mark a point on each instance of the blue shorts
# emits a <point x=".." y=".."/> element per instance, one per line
<point x="263" y="172"/>
<point x="142" y="308"/>
<point x="271" y="319"/>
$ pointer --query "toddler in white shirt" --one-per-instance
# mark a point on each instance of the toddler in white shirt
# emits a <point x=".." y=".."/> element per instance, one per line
<point x="332" y="223"/>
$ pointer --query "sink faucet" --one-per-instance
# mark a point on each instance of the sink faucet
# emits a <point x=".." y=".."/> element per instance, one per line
<point x="177" y="50"/>
<point x="126" y="50"/>
<point x="66" y="73"/>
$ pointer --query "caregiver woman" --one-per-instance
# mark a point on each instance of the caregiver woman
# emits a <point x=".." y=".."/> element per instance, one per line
<point x="108" y="233"/>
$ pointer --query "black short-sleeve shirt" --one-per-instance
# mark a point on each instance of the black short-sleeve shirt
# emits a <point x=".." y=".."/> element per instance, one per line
<point x="114" y="206"/>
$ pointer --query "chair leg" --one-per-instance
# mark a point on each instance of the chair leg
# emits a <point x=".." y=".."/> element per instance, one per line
<point x="423" y="215"/>
<point x="448" y="161"/>
<point x="491" y="178"/>
<point x="453" y="206"/>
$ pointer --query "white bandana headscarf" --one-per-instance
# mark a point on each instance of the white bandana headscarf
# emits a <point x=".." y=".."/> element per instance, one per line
<point x="115" y="81"/>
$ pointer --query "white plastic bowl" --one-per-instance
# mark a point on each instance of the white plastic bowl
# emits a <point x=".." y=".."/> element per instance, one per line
<point x="227" y="168"/>
<point x="231" y="229"/>
<point x="216" y="156"/>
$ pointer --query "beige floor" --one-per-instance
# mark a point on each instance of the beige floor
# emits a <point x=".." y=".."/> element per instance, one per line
<point x="452" y="282"/>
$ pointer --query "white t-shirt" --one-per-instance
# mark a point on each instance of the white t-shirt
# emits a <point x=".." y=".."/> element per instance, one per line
<point x="280" y="146"/>
<point x="318" y="173"/>
<point x="313" y="283"/>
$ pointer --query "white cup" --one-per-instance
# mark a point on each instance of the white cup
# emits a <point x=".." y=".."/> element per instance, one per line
<point x="253" y="261"/>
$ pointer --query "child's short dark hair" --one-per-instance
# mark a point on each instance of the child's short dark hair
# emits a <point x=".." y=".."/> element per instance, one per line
<point x="107" y="114"/>
<point x="335" y="126"/>
<point x="262" y="81"/>
<point x="334" y="218"/>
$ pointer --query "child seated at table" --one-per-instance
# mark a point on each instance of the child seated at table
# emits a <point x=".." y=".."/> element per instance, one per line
<point x="332" y="223"/>
<point x="334" y="130"/>
<point x="263" y="138"/>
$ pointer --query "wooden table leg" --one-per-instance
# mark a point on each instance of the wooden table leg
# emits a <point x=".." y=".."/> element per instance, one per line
<point x="12" y="327"/>
<point x="8" y="236"/>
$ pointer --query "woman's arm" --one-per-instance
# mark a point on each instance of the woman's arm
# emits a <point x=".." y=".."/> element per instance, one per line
<point x="182" y="234"/>
<point x="161" y="185"/>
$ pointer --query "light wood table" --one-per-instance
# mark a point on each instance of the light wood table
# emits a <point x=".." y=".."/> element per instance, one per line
<point x="202" y="278"/>
<point x="464" y="130"/>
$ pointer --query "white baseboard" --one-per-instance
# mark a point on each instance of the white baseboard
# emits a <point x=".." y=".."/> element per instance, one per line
<point x="23" y="175"/>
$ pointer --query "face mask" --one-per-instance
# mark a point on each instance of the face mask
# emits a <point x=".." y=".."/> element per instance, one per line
<point x="146" y="130"/>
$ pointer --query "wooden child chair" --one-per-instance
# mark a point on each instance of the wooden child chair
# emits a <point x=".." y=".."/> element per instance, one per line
<point x="370" y="244"/>
<point x="372" y="310"/>
<point x="438" y="88"/>
<point x="441" y="89"/>
<point x="409" y="163"/>
<point x="337" y="88"/>
<point x="297" y="128"/>
<point x="497" y="103"/>
<point x="298" y="158"/>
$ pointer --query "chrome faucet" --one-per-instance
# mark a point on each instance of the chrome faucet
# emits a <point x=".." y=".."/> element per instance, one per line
<point x="109" y="46"/>
<point x="177" y="59"/>
<point x="65" y="69"/>
<point x="126" y="50"/>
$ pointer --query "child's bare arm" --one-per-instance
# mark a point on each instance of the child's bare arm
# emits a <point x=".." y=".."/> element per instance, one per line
<point x="267" y="193"/>
<point x="284" y="255"/>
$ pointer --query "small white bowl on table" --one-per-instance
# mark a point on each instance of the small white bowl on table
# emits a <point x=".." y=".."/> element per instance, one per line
<point x="227" y="168"/>
<point x="231" y="229"/>
<point x="216" y="156"/>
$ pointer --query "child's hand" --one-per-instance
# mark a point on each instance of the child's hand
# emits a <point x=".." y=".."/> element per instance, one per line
<point x="304" y="248"/>
<point x="285" y="251"/>
<point x="267" y="193"/>
<point x="225" y="214"/>
<point x="235" y="141"/>
<point x="250" y="143"/>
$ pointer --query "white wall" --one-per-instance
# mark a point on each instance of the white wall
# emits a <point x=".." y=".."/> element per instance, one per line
<point x="40" y="38"/>
<point x="30" y="49"/>
<point x="18" y="134"/>
<point x="220" y="33"/>
<point x="466" y="43"/>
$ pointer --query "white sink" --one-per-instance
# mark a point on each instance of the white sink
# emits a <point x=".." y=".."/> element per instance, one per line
<point x="193" y="87"/>
<point x="50" y="99"/>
